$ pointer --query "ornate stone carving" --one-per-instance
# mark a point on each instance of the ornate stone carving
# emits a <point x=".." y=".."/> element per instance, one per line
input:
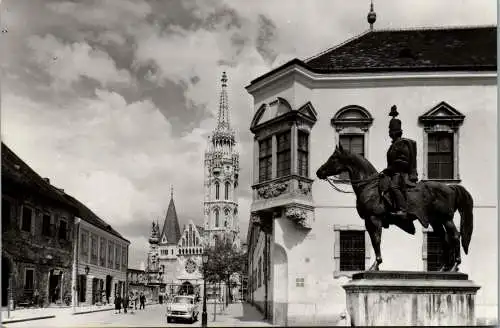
<point x="299" y="215"/>
<point x="304" y="188"/>
<point x="272" y="190"/>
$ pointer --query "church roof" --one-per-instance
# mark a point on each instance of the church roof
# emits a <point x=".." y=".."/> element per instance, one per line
<point x="463" y="48"/>
<point x="171" y="232"/>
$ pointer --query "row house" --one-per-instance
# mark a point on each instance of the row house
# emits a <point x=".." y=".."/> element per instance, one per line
<point x="37" y="236"/>
<point x="54" y="246"/>
<point x="306" y="239"/>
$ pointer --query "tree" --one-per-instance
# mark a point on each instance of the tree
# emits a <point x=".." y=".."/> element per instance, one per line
<point x="224" y="260"/>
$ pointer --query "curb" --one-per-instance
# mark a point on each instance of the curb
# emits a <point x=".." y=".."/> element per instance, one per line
<point x="92" y="311"/>
<point x="28" y="319"/>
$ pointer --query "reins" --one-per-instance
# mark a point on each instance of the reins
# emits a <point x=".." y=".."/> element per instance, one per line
<point x="354" y="183"/>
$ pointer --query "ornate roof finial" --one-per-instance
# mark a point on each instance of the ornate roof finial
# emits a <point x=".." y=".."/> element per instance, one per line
<point x="223" y="117"/>
<point x="372" y="16"/>
<point x="172" y="191"/>
<point x="224" y="79"/>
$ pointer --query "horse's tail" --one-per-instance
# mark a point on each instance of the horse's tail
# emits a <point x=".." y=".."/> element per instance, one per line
<point x="464" y="203"/>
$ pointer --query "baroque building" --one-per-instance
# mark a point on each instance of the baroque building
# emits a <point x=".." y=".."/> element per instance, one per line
<point x="221" y="178"/>
<point x="306" y="239"/>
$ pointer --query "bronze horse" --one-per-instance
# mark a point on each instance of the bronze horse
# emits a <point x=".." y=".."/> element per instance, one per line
<point x="430" y="202"/>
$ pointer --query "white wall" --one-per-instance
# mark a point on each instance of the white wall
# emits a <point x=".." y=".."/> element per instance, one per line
<point x="310" y="254"/>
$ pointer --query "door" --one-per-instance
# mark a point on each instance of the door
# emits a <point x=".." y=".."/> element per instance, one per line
<point x="5" y="280"/>
<point x="280" y="286"/>
<point x="82" y="285"/>
<point x="54" y="286"/>
<point x="108" y="287"/>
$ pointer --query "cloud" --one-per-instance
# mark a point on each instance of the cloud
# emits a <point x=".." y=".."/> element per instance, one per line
<point x="114" y="99"/>
<point x="66" y="64"/>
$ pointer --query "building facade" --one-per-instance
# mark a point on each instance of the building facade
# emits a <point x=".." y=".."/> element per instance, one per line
<point x="305" y="239"/>
<point x="37" y="236"/>
<point x="221" y="178"/>
<point x="175" y="257"/>
<point x="147" y="283"/>
<point x="101" y="260"/>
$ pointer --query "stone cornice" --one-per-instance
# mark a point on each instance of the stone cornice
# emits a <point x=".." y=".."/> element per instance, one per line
<point x="335" y="80"/>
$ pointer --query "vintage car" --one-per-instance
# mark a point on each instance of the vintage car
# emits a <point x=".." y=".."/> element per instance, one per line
<point x="182" y="307"/>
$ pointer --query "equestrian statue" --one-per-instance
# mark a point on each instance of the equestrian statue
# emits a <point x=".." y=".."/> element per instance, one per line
<point x="396" y="197"/>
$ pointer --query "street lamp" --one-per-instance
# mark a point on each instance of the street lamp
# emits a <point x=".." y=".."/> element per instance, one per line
<point x="204" y="258"/>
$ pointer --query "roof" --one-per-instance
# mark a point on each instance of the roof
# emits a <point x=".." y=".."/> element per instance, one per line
<point x="171" y="229"/>
<point x="467" y="48"/>
<point x="86" y="214"/>
<point x="16" y="170"/>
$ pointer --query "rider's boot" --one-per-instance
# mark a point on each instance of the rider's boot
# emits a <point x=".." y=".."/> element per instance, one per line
<point x="400" y="204"/>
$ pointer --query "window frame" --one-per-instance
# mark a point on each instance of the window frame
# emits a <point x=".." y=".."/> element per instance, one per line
<point x="217" y="190"/>
<point x="49" y="232"/>
<point x="337" y="254"/>
<point x="284" y="148"/>
<point x="301" y="132"/>
<point x="7" y="221"/>
<point x="31" y="230"/>
<point x="352" y="120"/>
<point x="84" y="241"/>
<point x="344" y="177"/>
<point x="266" y="156"/>
<point x="226" y="190"/>
<point x="216" y="217"/>
<point x="442" y="118"/>
<point x="103" y="242"/>
<point x="425" y="248"/>
<point x="92" y="260"/>
<point x="439" y="137"/>
<point x="66" y="231"/>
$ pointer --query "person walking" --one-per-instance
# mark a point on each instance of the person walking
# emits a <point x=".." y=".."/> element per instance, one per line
<point x="125" y="303"/>
<point x="136" y="299"/>
<point x="142" y="301"/>
<point x="118" y="303"/>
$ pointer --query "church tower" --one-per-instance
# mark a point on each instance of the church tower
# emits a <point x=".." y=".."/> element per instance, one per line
<point x="168" y="242"/>
<point x="221" y="178"/>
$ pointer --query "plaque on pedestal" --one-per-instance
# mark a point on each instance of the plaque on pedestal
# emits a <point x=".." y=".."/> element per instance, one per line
<point x="401" y="298"/>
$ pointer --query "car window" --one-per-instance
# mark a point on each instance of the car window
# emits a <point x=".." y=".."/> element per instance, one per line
<point x="183" y="300"/>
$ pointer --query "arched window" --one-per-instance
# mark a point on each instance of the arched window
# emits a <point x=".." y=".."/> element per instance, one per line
<point x="351" y="125"/>
<point x="226" y="219"/>
<point x="216" y="212"/>
<point x="183" y="242"/>
<point x="217" y="190"/>
<point x="226" y="191"/>
<point x="197" y="241"/>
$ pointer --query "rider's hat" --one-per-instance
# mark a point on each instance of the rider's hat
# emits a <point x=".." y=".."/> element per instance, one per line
<point x="394" y="124"/>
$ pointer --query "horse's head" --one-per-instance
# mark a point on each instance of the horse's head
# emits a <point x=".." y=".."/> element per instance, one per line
<point x="334" y="165"/>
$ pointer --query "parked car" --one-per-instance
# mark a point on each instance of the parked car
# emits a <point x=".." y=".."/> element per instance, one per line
<point x="183" y="307"/>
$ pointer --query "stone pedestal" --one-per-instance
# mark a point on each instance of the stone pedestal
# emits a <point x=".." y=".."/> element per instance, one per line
<point x="399" y="298"/>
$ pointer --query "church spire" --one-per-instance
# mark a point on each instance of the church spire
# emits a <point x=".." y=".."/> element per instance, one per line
<point x="223" y="117"/>
<point x="372" y="16"/>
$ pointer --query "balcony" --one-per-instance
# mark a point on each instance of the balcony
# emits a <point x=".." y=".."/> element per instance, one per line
<point x="290" y="196"/>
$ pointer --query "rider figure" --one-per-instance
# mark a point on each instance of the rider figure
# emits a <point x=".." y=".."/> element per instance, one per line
<point x="401" y="164"/>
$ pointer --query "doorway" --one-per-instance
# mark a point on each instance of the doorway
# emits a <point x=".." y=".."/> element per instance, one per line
<point x="95" y="290"/>
<point x="108" y="287"/>
<point x="55" y="285"/>
<point x="280" y="311"/>
<point x="186" y="288"/>
<point x="6" y="270"/>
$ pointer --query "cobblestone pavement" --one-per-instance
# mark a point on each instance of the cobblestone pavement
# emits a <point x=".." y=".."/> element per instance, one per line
<point x="238" y="314"/>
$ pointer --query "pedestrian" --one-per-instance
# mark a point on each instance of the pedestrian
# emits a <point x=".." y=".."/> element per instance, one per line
<point x="118" y="303"/>
<point x="136" y="299"/>
<point x="36" y="298"/>
<point x="142" y="301"/>
<point x="125" y="303"/>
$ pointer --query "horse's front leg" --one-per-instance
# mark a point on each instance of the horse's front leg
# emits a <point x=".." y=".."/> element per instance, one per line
<point x="374" y="228"/>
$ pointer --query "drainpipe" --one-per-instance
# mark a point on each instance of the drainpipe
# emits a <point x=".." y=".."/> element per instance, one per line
<point x="265" y="275"/>
<point x="74" y="280"/>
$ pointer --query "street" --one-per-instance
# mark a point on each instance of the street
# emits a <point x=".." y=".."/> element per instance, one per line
<point x="238" y="314"/>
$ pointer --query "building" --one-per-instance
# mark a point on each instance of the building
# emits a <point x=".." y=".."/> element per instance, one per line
<point x="305" y="239"/>
<point x="140" y="281"/>
<point x="37" y="236"/>
<point x="221" y="177"/>
<point x="101" y="263"/>
<point x="175" y="257"/>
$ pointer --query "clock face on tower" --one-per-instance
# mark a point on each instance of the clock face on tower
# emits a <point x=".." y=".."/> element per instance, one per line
<point x="190" y="266"/>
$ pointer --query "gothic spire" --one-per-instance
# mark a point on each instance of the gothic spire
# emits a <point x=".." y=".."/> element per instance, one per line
<point x="223" y="117"/>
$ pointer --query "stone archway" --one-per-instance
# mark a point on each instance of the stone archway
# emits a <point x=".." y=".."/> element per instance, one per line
<point x="280" y="286"/>
<point x="186" y="288"/>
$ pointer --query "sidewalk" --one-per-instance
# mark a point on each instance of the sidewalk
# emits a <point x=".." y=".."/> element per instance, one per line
<point x="238" y="314"/>
<point x="28" y="314"/>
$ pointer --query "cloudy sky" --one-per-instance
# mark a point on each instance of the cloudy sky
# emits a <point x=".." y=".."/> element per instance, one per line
<point x="113" y="99"/>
